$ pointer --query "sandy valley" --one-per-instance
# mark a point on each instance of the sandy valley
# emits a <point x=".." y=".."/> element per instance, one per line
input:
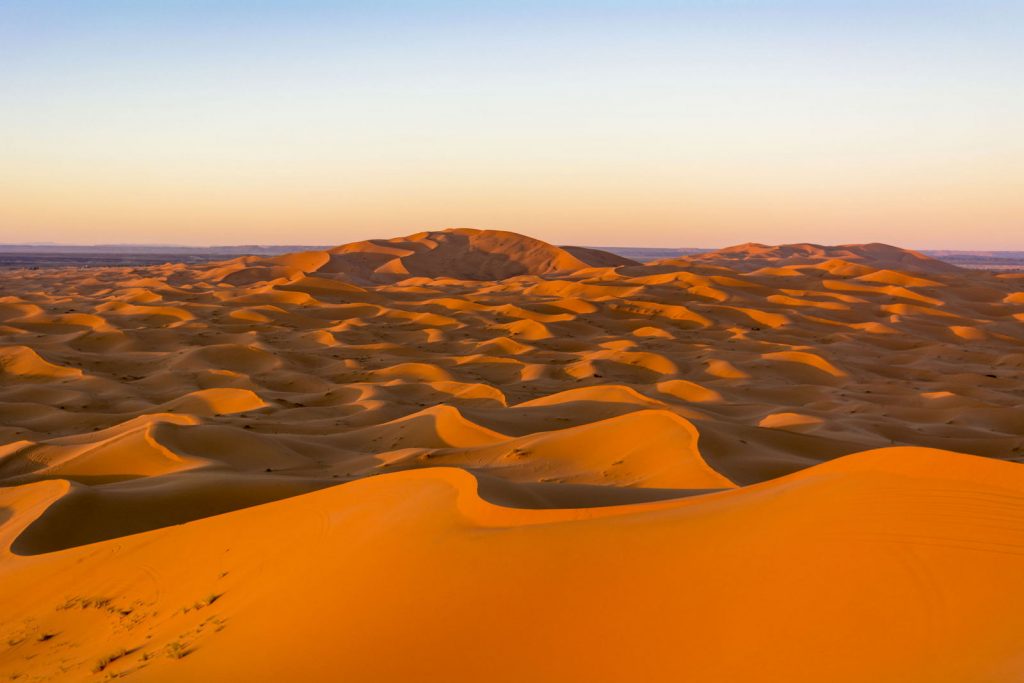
<point x="472" y="456"/>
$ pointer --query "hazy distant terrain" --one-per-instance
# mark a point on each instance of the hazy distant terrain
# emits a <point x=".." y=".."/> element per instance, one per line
<point x="64" y="255"/>
<point x="985" y="260"/>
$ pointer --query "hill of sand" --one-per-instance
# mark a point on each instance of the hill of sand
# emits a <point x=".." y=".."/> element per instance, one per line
<point x="472" y="456"/>
<point x="752" y="256"/>
<point x="461" y="253"/>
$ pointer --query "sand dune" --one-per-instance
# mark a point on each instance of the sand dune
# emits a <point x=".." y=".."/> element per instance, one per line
<point x="474" y="456"/>
<point x="846" y="259"/>
<point x="459" y="254"/>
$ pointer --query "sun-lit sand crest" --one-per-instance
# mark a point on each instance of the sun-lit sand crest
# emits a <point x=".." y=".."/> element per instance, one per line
<point x="474" y="456"/>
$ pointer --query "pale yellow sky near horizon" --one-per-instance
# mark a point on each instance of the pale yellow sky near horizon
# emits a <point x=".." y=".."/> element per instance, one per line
<point x="667" y="124"/>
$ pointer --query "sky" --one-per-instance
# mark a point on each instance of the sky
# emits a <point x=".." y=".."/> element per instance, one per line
<point x="693" y="123"/>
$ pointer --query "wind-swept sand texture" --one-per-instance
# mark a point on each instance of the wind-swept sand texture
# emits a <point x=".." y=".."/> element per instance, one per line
<point x="473" y="456"/>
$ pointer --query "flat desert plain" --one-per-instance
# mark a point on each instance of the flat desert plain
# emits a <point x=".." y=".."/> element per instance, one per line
<point x="472" y="456"/>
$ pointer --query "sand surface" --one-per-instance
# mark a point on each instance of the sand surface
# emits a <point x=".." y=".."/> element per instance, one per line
<point x="474" y="456"/>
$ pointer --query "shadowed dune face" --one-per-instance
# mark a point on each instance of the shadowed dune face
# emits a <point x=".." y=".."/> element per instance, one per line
<point x="710" y="439"/>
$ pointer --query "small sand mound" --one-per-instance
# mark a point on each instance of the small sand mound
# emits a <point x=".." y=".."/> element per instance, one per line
<point x="130" y="455"/>
<point x="224" y="401"/>
<point x="21" y="362"/>
<point x="650" y="448"/>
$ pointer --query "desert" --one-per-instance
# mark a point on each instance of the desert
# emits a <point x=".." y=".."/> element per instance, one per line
<point x="471" y="455"/>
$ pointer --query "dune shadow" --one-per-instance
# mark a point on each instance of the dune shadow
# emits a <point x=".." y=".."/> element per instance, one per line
<point x="549" y="495"/>
<point x="89" y="514"/>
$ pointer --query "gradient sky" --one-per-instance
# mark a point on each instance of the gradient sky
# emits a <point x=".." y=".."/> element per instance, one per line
<point x="643" y="123"/>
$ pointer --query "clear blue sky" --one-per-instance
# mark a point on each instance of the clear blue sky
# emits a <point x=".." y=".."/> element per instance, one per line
<point x="619" y="123"/>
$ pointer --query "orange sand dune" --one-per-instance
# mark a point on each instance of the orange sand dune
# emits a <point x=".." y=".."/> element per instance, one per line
<point x="848" y="259"/>
<point x="460" y="254"/>
<point x="473" y="456"/>
<point x="837" y="573"/>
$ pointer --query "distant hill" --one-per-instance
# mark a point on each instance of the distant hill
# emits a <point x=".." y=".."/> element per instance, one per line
<point x="461" y="253"/>
<point x="753" y="256"/>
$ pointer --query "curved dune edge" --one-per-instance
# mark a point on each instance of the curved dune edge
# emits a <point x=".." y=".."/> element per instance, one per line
<point x="143" y="476"/>
<point x="131" y="453"/>
<point x="497" y="510"/>
<point x="648" y="448"/>
<point x="330" y="569"/>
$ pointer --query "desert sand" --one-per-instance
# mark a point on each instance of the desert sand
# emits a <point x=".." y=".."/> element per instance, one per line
<point x="472" y="456"/>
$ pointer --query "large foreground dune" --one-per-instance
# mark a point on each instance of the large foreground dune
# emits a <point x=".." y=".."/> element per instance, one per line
<point x="471" y="456"/>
